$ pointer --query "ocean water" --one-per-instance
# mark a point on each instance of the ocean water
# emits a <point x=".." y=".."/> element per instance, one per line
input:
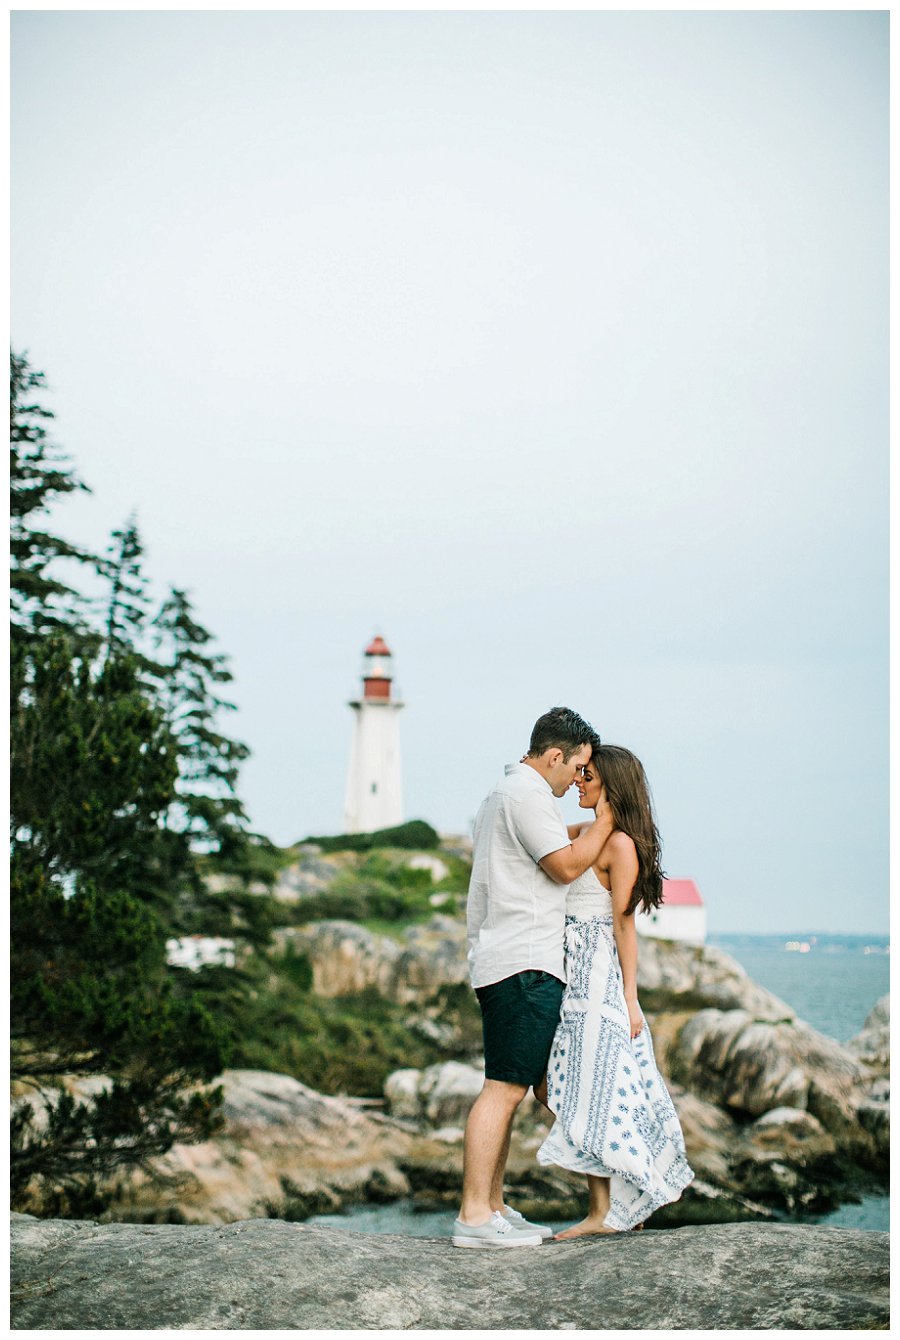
<point x="832" y="984"/>
<point x="408" y="1219"/>
<point x="832" y="981"/>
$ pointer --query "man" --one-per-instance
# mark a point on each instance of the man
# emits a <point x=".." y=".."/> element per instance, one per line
<point x="522" y="863"/>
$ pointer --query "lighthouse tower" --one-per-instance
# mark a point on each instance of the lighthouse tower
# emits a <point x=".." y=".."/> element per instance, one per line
<point x="374" y="796"/>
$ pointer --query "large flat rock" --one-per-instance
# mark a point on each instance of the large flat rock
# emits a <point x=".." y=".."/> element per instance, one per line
<point x="263" y="1274"/>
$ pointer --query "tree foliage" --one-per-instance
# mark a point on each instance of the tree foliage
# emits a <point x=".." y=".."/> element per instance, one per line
<point x="123" y="789"/>
<point x="127" y="606"/>
<point x="39" y="474"/>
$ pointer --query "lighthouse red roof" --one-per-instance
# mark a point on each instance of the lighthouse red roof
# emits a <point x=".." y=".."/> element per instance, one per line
<point x="377" y="647"/>
<point x="681" y="893"/>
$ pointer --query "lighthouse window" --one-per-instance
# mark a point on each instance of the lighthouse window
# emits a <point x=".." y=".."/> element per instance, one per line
<point x="374" y="787"/>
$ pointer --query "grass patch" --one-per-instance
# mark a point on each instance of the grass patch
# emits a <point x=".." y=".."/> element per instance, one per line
<point x="394" y="929"/>
<point x="383" y="893"/>
<point x="348" y="1044"/>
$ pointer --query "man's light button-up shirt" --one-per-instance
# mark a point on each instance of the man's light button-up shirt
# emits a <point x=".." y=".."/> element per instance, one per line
<point x="516" y="914"/>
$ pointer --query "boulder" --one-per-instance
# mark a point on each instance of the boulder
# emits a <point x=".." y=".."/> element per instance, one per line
<point x="437" y="868"/>
<point x="401" y="1093"/>
<point x="780" y="1158"/>
<point x="269" y="1275"/>
<point x="433" y="1165"/>
<point x="788" y="1123"/>
<point x="285" y="1150"/>
<point x="772" y="1114"/>
<point x="810" y="1125"/>
<point x="433" y="956"/>
<point x="443" y="1094"/>
<point x="440" y="1095"/>
<point x="873" y="1044"/>
<point x="677" y="976"/>
<point x="880" y="1014"/>
<point x="751" y="1066"/>
<point x="312" y="872"/>
<point x="446" y="1092"/>
<point x="874" y="1113"/>
<point x="347" y="958"/>
<point x="710" y="1135"/>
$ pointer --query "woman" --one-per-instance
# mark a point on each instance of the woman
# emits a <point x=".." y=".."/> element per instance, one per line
<point x="615" y="1121"/>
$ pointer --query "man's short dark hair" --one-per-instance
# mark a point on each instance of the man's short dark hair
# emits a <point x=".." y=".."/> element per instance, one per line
<point x="561" y="728"/>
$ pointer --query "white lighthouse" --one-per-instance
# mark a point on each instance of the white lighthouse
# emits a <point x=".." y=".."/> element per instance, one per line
<point x="374" y="795"/>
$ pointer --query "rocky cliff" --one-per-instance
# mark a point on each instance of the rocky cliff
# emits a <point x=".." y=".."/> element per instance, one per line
<point x="774" y="1113"/>
<point x="285" y="1151"/>
<point x="347" y="958"/>
<point x="264" y="1275"/>
<point x="776" y="1117"/>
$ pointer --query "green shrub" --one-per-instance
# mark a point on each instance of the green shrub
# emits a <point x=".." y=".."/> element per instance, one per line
<point x="396" y="872"/>
<point x="296" y="967"/>
<point x="458" y="876"/>
<point x="345" y="1045"/>
<point x="363" y="897"/>
<point x="416" y="835"/>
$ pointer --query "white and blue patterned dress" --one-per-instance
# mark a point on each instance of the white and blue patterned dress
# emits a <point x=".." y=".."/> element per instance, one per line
<point x="614" y="1116"/>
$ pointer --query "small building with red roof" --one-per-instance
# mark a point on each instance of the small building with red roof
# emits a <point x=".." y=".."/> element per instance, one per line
<point x="681" y="915"/>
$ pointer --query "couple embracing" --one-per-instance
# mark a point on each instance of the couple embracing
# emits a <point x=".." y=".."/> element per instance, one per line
<point x="553" y="960"/>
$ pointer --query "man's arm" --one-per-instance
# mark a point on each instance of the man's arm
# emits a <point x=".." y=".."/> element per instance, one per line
<point x="569" y="862"/>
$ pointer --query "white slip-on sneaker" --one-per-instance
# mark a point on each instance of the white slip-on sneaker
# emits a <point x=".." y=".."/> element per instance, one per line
<point x="497" y="1232"/>
<point x="519" y="1222"/>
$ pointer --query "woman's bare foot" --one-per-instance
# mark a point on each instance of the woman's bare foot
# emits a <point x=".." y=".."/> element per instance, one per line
<point x="586" y="1227"/>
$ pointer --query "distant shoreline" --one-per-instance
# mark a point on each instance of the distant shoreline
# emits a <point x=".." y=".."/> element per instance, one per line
<point x="821" y="939"/>
<point x="832" y="981"/>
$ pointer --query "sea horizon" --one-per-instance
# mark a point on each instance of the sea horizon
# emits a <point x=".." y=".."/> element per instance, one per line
<point x="850" y="939"/>
<point x="832" y="980"/>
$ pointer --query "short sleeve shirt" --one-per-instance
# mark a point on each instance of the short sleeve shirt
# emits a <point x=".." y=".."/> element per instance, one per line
<point x="516" y="914"/>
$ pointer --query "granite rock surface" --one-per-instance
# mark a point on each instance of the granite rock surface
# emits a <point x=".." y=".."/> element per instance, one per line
<point x="774" y="1114"/>
<point x="271" y="1275"/>
<point x="348" y="958"/>
<point x="286" y="1150"/>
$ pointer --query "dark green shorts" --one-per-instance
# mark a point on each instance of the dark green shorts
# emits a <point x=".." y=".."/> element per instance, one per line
<point x="518" y="1018"/>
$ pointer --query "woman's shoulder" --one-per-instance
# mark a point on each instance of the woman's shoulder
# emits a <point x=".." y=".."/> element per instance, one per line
<point x="619" y="846"/>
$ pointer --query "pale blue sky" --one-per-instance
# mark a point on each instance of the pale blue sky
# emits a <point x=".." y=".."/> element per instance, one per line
<point x="553" y="345"/>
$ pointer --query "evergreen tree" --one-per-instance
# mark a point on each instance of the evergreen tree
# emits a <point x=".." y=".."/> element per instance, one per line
<point x="207" y="820"/>
<point x="40" y="474"/>
<point x="128" y="604"/>
<point x="93" y="768"/>
<point x="118" y="774"/>
<point x="193" y="675"/>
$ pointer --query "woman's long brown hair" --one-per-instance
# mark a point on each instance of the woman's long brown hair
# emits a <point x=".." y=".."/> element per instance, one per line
<point x="632" y="809"/>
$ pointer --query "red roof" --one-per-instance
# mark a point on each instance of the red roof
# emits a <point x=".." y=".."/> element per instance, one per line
<point x="377" y="647"/>
<point x="681" y="893"/>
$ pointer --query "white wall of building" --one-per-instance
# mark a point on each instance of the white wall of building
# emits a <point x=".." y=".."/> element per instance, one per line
<point x="374" y="791"/>
<point x="674" y="923"/>
<point x="195" y="951"/>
